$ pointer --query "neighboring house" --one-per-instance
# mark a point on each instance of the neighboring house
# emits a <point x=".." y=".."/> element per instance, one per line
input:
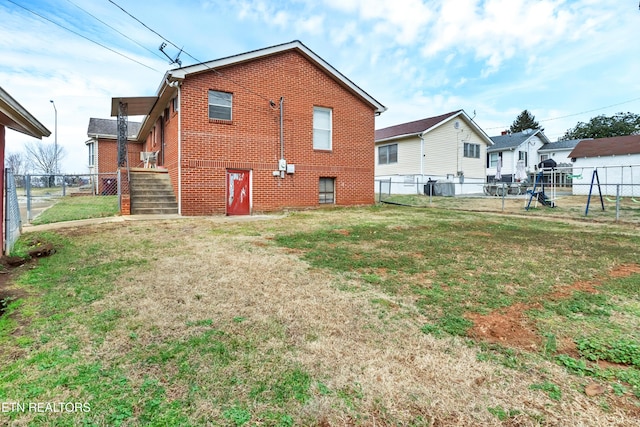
<point x="617" y="160"/>
<point x="450" y="148"/>
<point x="510" y="148"/>
<point x="260" y="131"/>
<point x="15" y="117"/>
<point x="559" y="152"/>
<point x="103" y="152"/>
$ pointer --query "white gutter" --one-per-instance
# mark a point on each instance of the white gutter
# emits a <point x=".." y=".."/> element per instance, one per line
<point x="421" y="136"/>
<point x="179" y="152"/>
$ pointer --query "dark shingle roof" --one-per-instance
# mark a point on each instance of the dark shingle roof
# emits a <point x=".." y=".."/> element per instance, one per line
<point x="513" y="140"/>
<point x="109" y="128"/>
<point x="412" y="127"/>
<point x="560" y="145"/>
<point x="614" y="146"/>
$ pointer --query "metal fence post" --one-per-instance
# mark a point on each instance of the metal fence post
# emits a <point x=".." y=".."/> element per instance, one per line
<point x="119" y="189"/>
<point x="64" y="186"/>
<point x="617" y="202"/>
<point x="27" y="186"/>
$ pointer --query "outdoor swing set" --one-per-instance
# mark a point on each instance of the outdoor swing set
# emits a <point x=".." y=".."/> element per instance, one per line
<point x="595" y="182"/>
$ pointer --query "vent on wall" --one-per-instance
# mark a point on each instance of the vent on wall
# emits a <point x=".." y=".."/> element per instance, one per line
<point x="456" y="124"/>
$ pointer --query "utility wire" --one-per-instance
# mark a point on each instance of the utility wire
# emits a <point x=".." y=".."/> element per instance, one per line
<point x="117" y="31"/>
<point x="187" y="53"/>
<point x="574" y="114"/>
<point x="84" y="37"/>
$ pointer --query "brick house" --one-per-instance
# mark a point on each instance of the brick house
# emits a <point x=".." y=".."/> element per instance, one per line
<point x="260" y="131"/>
<point x="103" y="152"/>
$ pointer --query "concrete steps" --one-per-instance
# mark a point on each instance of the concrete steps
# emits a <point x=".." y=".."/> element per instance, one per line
<point x="152" y="192"/>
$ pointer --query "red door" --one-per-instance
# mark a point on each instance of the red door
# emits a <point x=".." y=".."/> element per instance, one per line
<point x="238" y="202"/>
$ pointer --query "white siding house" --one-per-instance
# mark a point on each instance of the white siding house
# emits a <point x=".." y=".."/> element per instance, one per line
<point x="450" y="148"/>
<point x="511" y="148"/>
<point x="617" y="160"/>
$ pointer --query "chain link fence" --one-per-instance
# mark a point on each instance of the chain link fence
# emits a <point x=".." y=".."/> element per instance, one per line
<point x="13" y="222"/>
<point x="37" y="193"/>
<point x="572" y="198"/>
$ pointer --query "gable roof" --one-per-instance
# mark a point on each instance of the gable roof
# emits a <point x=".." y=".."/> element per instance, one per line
<point x="108" y="128"/>
<point x="511" y="141"/>
<point x="568" y="144"/>
<point x="423" y="126"/>
<point x="614" y="146"/>
<point x="181" y="73"/>
<point x="16" y="117"/>
<point x="168" y="87"/>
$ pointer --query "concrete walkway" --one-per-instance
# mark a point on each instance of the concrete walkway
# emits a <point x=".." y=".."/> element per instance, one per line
<point x="84" y="222"/>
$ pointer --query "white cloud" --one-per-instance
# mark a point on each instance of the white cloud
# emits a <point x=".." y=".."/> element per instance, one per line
<point x="499" y="29"/>
<point x="402" y="20"/>
<point x="312" y="25"/>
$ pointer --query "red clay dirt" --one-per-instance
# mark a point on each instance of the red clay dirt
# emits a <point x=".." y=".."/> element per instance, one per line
<point x="510" y="327"/>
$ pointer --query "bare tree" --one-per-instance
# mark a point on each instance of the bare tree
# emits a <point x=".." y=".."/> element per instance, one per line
<point x="44" y="157"/>
<point x="16" y="162"/>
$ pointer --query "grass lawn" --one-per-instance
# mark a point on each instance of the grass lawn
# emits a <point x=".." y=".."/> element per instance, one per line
<point x="72" y="208"/>
<point x="372" y="316"/>
<point x="566" y="206"/>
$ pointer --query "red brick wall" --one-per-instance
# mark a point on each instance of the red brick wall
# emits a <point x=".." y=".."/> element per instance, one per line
<point x="2" y="144"/>
<point x="108" y="159"/>
<point x="252" y="139"/>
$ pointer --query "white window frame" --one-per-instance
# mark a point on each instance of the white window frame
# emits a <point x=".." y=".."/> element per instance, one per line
<point x="222" y="101"/>
<point x="322" y="133"/>
<point x="384" y="152"/>
<point x="471" y="150"/>
<point x="523" y="155"/>
<point x="92" y="154"/>
<point x="493" y="163"/>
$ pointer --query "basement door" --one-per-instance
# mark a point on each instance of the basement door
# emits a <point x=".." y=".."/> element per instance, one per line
<point x="238" y="192"/>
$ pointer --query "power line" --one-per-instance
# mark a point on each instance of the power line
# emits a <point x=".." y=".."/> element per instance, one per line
<point x="187" y="53"/>
<point x="84" y="37"/>
<point x="575" y="114"/>
<point x="117" y="31"/>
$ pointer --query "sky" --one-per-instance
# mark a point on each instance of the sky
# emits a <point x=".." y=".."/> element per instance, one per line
<point x="565" y="61"/>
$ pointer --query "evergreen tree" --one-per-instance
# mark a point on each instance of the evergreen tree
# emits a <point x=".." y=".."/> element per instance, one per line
<point x="524" y="121"/>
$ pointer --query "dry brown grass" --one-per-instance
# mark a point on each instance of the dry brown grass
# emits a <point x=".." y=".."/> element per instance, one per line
<point x="330" y="327"/>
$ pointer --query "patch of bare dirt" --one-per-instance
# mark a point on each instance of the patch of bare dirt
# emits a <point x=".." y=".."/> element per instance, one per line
<point x="510" y="327"/>
<point x="625" y="270"/>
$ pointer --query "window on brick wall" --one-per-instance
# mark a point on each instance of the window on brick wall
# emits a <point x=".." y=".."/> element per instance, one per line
<point x="388" y="154"/>
<point x="327" y="190"/>
<point x="220" y="105"/>
<point x="322" y="128"/>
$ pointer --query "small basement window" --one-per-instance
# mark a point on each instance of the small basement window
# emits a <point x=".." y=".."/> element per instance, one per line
<point x="327" y="191"/>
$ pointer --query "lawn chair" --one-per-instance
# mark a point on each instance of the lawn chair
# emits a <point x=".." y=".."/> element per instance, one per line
<point x="149" y="158"/>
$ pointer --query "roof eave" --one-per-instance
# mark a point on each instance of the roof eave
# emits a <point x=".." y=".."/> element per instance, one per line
<point x="182" y="73"/>
<point x="19" y="119"/>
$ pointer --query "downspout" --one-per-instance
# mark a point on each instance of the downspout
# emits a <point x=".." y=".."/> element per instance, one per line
<point x="282" y="127"/>
<point x="179" y="151"/>
<point x="421" y="136"/>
